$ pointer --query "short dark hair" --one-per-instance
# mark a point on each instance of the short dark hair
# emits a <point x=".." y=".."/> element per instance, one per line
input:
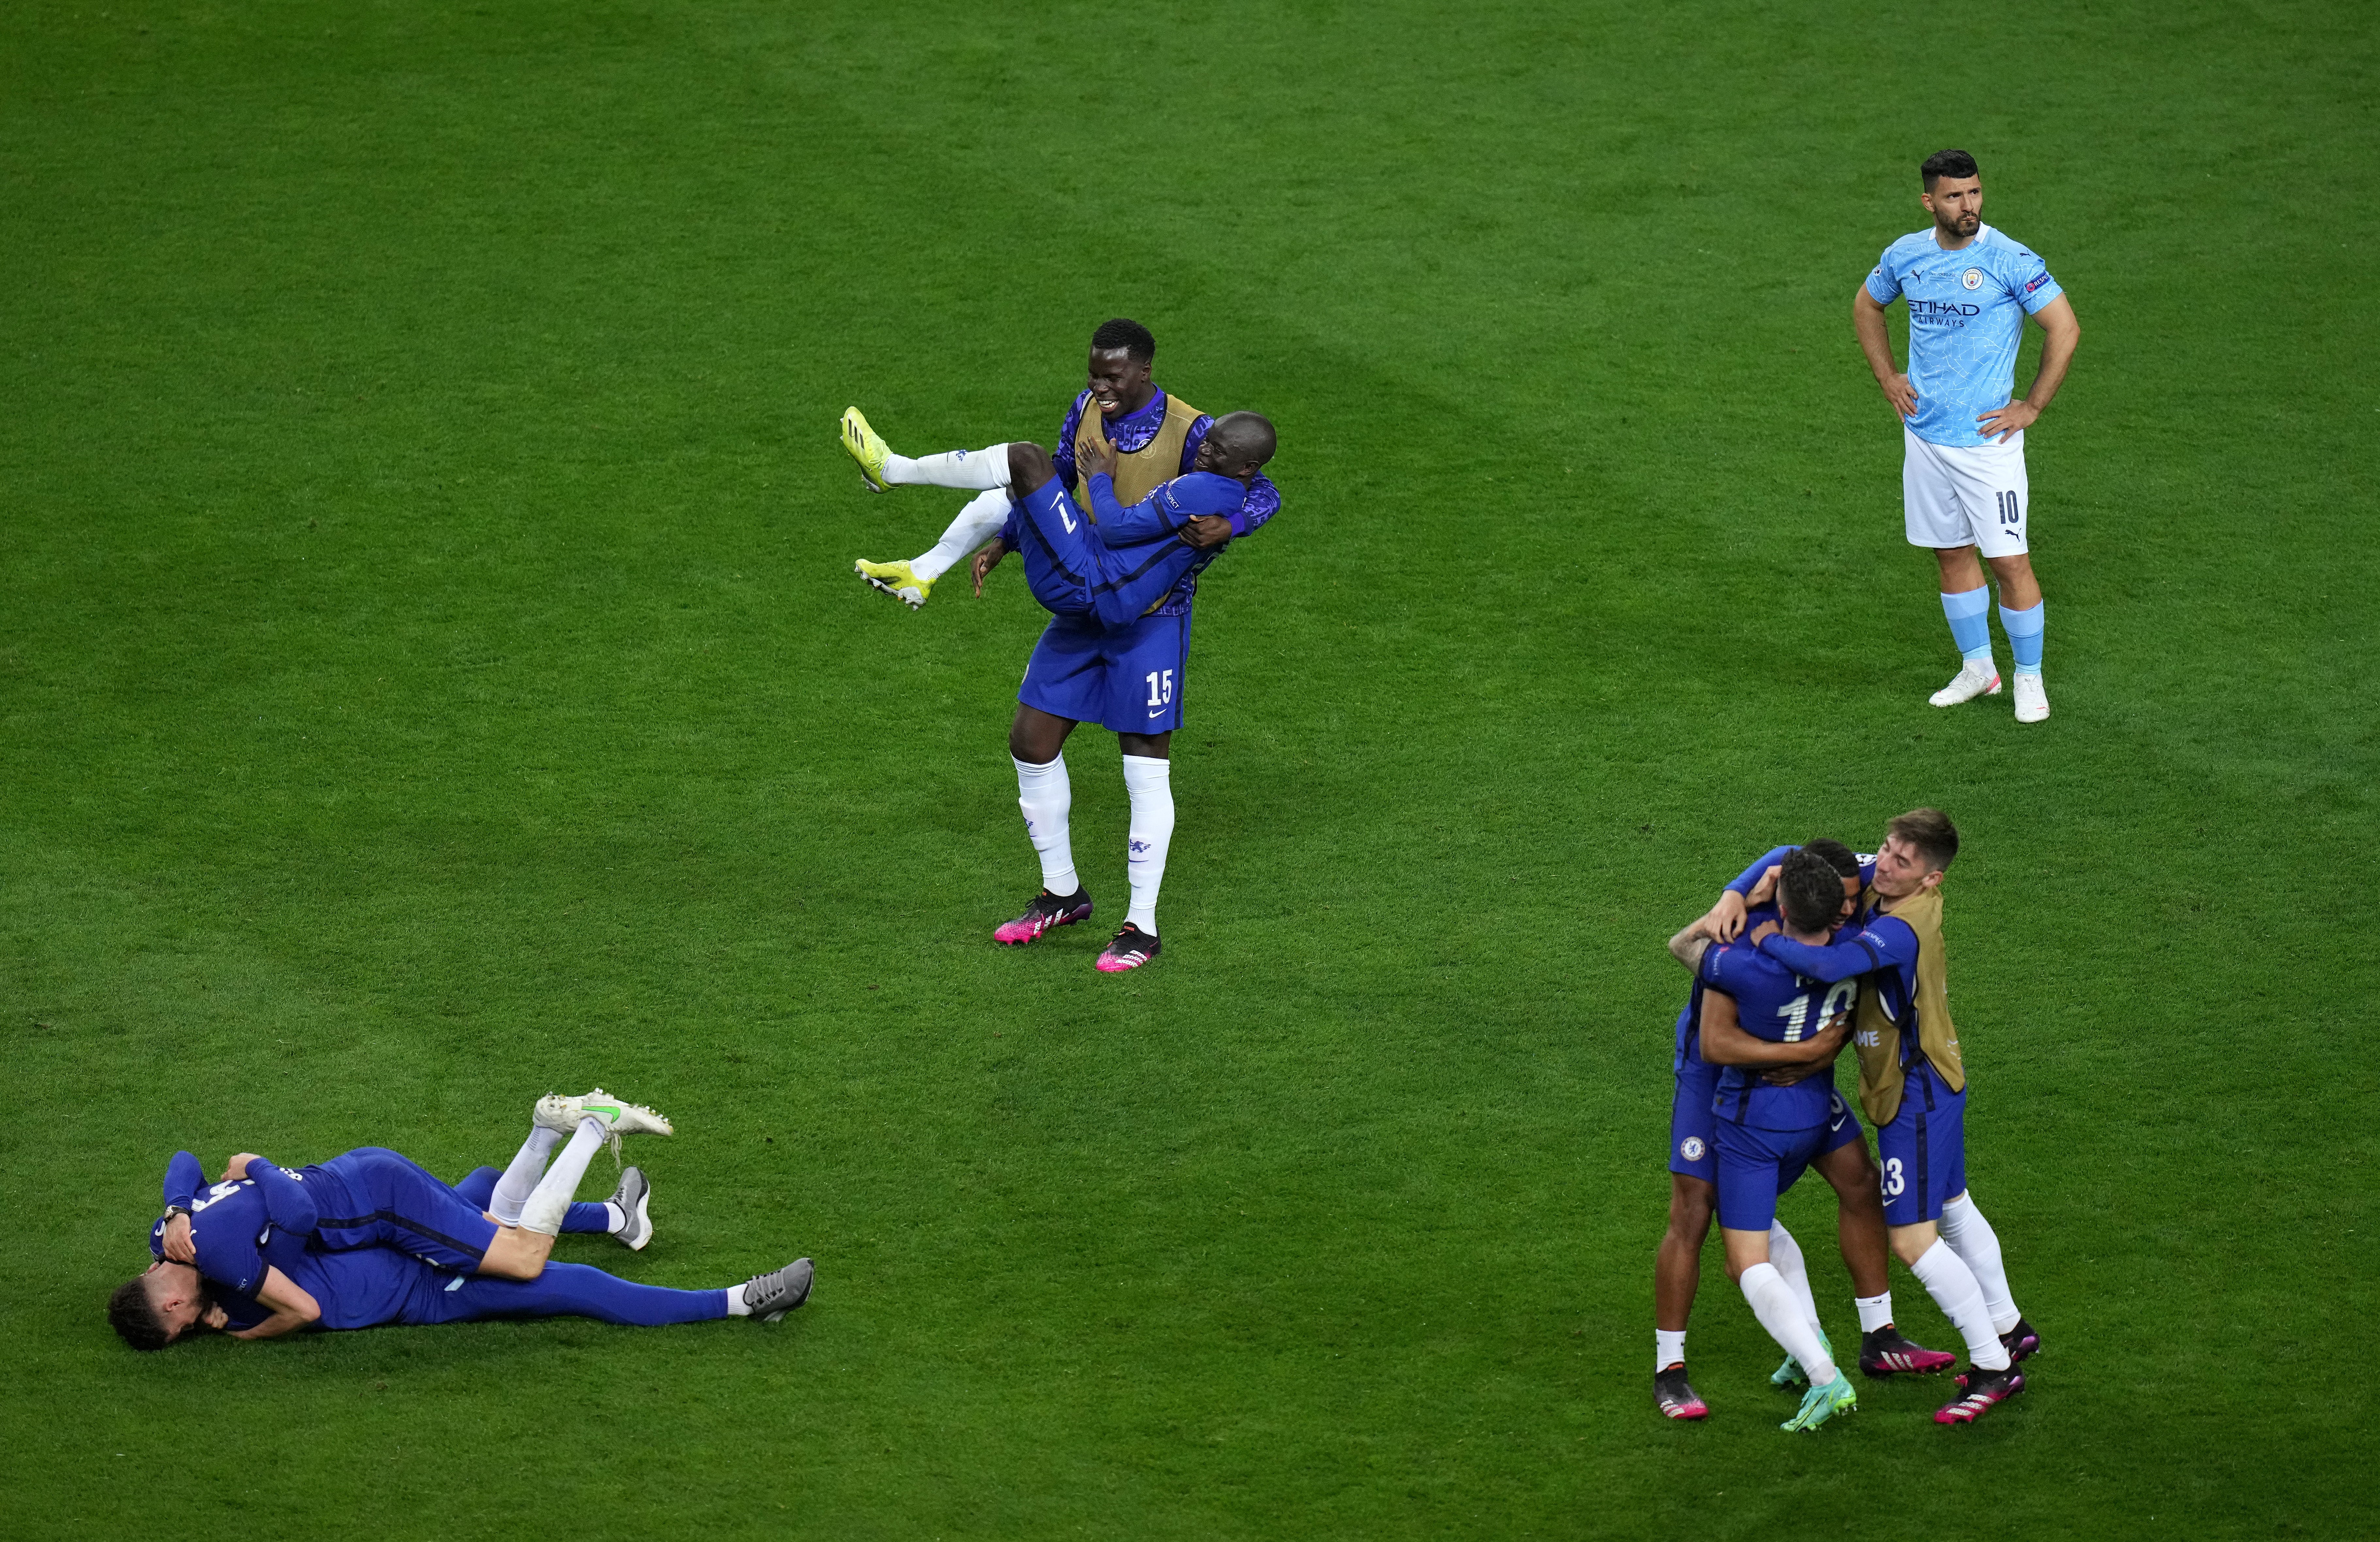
<point x="1955" y="164"/>
<point x="134" y="1315"/>
<point x="1809" y="890"/>
<point x="1931" y="831"/>
<point x="1129" y="335"/>
<point x="1839" y="857"/>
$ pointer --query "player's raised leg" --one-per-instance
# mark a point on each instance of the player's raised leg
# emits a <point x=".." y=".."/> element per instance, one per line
<point x="912" y="582"/>
<point x="973" y="471"/>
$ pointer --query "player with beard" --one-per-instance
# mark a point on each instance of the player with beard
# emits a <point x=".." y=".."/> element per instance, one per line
<point x="1962" y="476"/>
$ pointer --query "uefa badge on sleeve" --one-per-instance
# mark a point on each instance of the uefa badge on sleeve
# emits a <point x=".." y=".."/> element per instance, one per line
<point x="1971" y="279"/>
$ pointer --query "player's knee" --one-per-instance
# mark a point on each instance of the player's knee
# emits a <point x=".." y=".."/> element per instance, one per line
<point x="1690" y="1210"/>
<point x="1029" y="466"/>
<point x="1910" y="1243"/>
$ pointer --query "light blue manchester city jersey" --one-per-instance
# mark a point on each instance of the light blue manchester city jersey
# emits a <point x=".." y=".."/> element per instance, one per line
<point x="1966" y="314"/>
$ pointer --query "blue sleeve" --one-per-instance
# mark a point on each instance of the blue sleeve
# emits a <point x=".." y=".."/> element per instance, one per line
<point x="1744" y="882"/>
<point x="286" y="1203"/>
<point x="1155" y="517"/>
<point x="1064" y="454"/>
<point x="2032" y="284"/>
<point x="1190" y="443"/>
<point x="1882" y="284"/>
<point x="184" y="1179"/>
<point x="230" y="1259"/>
<point x="1261" y="504"/>
<point x="1884" y="943"/>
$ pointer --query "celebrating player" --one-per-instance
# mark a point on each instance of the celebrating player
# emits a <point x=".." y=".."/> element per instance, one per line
<point x="1963" y="477"/>
<point x="1757" y="1018"/>
<point x="1117" y="648"/>
<point x="500" y="1225"/>
<point x="1156" y="437"/>
<point x="1694" y="1164"/>
<point x="1913" y="1085"/>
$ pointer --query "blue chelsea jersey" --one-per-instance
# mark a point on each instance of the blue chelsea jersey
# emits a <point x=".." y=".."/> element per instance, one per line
<point x="1774" y="1004"/>
<point x="1966" y="315"/>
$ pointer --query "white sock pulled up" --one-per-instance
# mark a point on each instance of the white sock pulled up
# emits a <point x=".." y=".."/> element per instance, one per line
<point x="1953" y="1288"/>
<point x="971" y="469"/>
<point x="520" y="1178"/>
<point x="1150" y="782"/>
<point x="976" y="524"/>
<point x="549" y="1203"/>
<point x="1772" y="1302"/>
<point x="1978" y="1247"/>
<point x="1874" y="1311"/>
<point x="1046" y="796"/>
<point x="1786" y="1254"/>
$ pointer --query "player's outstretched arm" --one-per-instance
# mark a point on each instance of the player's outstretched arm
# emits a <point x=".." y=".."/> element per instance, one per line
<point x="1884" y="943"/>
<point x="1725" y="1041"/>
<point x="293" y="1307"/>
<point x="1867" y="322"/>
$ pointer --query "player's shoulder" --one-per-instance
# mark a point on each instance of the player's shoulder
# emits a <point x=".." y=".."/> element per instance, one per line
<point x="1203" y="493"/>
<point x="1907" y="248"/>
<point x="2008" y="249"/>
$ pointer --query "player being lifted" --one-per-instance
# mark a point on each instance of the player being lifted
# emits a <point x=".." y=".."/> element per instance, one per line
<point x="1913" y="1085"/>
<point x="1962" y="476"/>
<point x="1697" y="1065"/>
<point x="1768" y="1130"/>
<point x="1120" y="582"/>
<point x="1156" y="437"/>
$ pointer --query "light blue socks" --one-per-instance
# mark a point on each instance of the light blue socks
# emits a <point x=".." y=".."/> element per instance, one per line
<point x="2023" y="629"/>
<point x="1971" y="626"/>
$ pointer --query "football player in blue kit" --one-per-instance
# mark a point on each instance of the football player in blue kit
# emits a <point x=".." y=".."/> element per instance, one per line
<point x="1694" y="1164"/>
<point x="1771" y="1127"/>
<point x="1963" y="485"/>
<point x="1913" y="1083"/>
<point x="370" y="1237"/>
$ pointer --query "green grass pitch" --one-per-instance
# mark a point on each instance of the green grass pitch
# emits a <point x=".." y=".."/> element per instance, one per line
<point x="431" y="675"/>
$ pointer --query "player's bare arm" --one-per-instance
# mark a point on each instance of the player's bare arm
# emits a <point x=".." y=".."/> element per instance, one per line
<point x="1867" y="322"/>
<point x="177" y="1244"/>
<point x="1688" y="946"/>
<point x="2065" y="333"/>
<point x="1725" y="1043"/>
<point x="292" y="1307"/>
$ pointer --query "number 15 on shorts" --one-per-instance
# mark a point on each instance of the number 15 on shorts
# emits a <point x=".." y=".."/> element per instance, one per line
<point x="1160" y="687"/>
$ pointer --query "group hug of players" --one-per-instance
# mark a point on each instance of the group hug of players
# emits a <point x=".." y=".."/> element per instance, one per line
<point x="1810" y="948"/>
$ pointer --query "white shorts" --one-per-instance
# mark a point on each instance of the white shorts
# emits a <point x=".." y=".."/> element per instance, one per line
<point x="1965" y="494"/>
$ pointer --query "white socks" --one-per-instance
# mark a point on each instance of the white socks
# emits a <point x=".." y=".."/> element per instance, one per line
<point x="527" y="1166"/>
<point x="1669" y="1349"/>
<point x="1151" y="783"/>
<point x="1773" y="1303"/>
<point x="736" y="1307"/>
<point x="549" y="1203"/>
<point x="1954" y="1290"/>
<point x="1045" y="795"/>
<point x="1876" y="1311"/>
<point x="1786" y="1254"/>
<point x="1978" y="1247"/>
<point x="977" y="523"/>
<point x="964" y="468"/>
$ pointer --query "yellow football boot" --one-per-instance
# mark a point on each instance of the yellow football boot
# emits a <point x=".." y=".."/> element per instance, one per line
<point x="864" y="447"/>
<point x="896" y="579"/>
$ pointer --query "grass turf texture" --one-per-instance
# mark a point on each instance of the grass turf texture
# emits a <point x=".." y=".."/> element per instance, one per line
<point x="430" y="675"/>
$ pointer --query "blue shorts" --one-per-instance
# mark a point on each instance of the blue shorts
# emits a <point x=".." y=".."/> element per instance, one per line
<point x="1693" y="1125"/>
<point x="373" y="1197"/>
<point x="1756" y="1166"/>
<point x="1924" y="1150"/>
<point x="1127" y="679"/>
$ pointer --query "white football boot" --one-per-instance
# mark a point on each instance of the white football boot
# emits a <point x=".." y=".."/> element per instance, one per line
<point x="566" y="1114"/>
<point x="2032" y="700"/>
<point x="1975" y="677"/>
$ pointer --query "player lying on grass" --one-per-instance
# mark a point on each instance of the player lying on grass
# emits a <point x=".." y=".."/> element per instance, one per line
<point x="502" y="1225"/>
<point x="1914" y="1084"/>
<point x="1155" y="438"/>
<point x="1765" y="1026"/>
<point x="1693" y="1170"/>
<point x="299" y="1281"/>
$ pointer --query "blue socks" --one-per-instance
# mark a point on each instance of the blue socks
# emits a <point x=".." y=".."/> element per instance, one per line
<point x="2023" y="628"/>
<point x="1971" y="626"/>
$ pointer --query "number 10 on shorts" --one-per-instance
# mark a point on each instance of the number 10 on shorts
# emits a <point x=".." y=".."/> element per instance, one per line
<point x="1160" y="687"/>
<point x="2011" y="511"/>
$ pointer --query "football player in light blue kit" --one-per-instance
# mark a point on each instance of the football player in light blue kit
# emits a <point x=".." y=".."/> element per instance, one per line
<point x="1962" y="479"/>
